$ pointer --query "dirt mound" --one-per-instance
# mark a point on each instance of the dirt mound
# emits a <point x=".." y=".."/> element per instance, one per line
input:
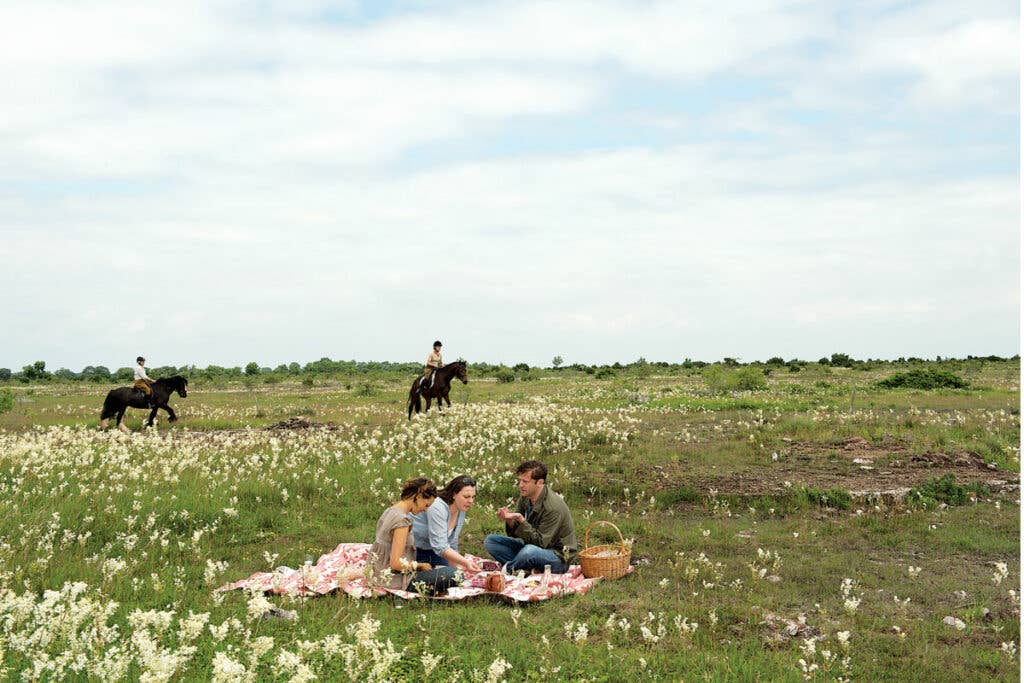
<point x="301" y="423"/>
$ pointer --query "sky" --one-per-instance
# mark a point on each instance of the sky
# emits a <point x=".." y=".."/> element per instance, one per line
<point x="226" y="182"/>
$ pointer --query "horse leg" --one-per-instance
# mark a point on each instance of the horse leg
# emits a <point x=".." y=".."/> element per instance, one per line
<point x="428" y="404"/>
<point x="152" y="414"/>
<point x="170" y="411"/>
<point x="447" y="400"/>
<point x="120" y="420"/>
<point x="103" y="422"/>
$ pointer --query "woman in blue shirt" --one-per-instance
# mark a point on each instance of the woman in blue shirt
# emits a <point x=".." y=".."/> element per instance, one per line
<point x="436" y="531"/>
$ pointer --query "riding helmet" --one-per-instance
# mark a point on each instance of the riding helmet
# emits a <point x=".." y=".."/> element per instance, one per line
<point x="437" y="343"/>
<point x="140" y="358"/>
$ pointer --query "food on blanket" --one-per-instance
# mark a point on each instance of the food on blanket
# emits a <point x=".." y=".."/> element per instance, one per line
<point x="489" y="566"/>
<point x="495" y="582"/>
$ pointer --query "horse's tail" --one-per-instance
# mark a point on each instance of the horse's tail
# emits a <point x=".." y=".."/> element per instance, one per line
<point x="110" y="406"/>
<point x="414" y="399"/>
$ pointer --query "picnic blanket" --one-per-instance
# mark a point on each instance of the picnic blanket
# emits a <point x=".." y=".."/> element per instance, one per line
<point x="342" y="569"/>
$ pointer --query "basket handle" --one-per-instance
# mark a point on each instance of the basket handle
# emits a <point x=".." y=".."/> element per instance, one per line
<point x="586" y="536"/>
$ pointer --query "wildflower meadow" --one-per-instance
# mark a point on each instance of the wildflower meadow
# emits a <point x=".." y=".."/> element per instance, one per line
<point x="819" y="526"/>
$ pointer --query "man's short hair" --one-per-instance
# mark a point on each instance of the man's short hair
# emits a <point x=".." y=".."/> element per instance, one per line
<point x="535" y="468"/>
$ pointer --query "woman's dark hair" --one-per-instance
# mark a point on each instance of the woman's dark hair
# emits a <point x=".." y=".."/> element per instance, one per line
<point x="418" y="486"/>
<point x="447" y="494"/>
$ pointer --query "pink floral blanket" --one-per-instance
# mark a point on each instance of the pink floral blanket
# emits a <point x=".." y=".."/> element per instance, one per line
<point x="341" y="569"/>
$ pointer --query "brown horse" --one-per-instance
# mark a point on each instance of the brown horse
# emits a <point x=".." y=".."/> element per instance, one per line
<point x="438" y="388"/>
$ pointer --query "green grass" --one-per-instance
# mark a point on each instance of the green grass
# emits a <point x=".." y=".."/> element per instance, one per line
<point x="640" y="451"/>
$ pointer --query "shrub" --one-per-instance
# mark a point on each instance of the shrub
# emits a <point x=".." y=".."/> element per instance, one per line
<point x="505" y="375"/>
<point x="307" y="381"/>
<point x="604" y="373"/>
<point x="942" y="490"/>
<point x="721" y="379"/>
<point x="837" y="498"/>
<point x="6" y="400"/>
<point x="521" y="367"/>
<point x="924" y="378"/>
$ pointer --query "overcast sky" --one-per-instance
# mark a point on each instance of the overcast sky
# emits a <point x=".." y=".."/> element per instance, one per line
<point x="221" y="182"/>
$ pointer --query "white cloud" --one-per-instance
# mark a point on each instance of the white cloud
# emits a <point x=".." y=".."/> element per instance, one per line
<point x="312" y="179"/>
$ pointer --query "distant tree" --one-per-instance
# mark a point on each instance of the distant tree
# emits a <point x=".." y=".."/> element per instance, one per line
<point x="252" y="369"/>
<point x="294" y="368"/>
<point x="35" y="372"/>
<point x="5" y="374"/>
<point x="521" y="367"/>
<point x="823" y="360"/>
<point x="556" y="362"/>
<point x="730" y="362"/>
<point x="776" y="360"/>
<point x="95" y="373"/>
<point x="124" y="375"/>
<point x="65" y="374"/>
<point x="841" y="360"/>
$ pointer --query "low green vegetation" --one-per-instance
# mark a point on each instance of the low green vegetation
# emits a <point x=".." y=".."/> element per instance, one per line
<point x="924" y="378"/>
<point x="760" y="518"/>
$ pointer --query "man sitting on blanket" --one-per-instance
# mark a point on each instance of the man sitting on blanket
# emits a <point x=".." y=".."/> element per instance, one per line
<point x="540" y="531"/>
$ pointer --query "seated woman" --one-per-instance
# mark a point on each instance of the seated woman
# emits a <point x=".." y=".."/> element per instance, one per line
<point x="393" y="556"/>
<point x="436" y="531"/>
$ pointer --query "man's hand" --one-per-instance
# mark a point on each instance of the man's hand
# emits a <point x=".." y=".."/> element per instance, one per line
<point x="472" y="566"/>
<point x="506" y="515"/>
<point x="423" y="566"/>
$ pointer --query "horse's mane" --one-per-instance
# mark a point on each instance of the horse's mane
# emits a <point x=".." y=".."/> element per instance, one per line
<point x="173" y="379"/>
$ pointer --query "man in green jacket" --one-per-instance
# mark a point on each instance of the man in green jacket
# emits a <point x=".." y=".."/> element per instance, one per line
<point x="540" y="531"/>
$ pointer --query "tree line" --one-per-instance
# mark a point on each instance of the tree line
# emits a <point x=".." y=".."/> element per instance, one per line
<point x="37" y="371"/>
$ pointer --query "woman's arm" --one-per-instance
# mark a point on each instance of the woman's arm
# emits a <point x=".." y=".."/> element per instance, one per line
<point x="460" y="560"/>
<point x="437" y="528"/>
<point x="398" y="538"/>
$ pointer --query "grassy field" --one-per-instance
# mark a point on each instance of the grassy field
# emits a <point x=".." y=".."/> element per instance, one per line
<point x="822" y="528"/>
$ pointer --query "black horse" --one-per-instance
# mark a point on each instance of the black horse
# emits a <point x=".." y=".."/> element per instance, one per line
<point x="119" y="400"/>
<point x="438" y="388"/>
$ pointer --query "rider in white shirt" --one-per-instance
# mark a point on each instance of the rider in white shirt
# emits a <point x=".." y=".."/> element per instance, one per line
<point x="142" y="380"/>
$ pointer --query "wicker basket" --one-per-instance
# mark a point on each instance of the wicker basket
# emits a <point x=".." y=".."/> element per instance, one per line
<point x="606" y="561"/>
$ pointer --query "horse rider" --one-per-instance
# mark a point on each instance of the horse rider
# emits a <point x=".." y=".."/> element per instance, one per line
<point x="434" y="362"/>
<point x="142" y="381"/>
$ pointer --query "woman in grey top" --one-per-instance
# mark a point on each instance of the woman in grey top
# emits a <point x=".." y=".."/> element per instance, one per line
<point x="436" y="531"/>
<point x="393" y="555"/>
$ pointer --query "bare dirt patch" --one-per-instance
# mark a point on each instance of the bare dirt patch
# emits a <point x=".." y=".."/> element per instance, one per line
<point x="301" y="423"/>
<point x="855" y="465"/>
